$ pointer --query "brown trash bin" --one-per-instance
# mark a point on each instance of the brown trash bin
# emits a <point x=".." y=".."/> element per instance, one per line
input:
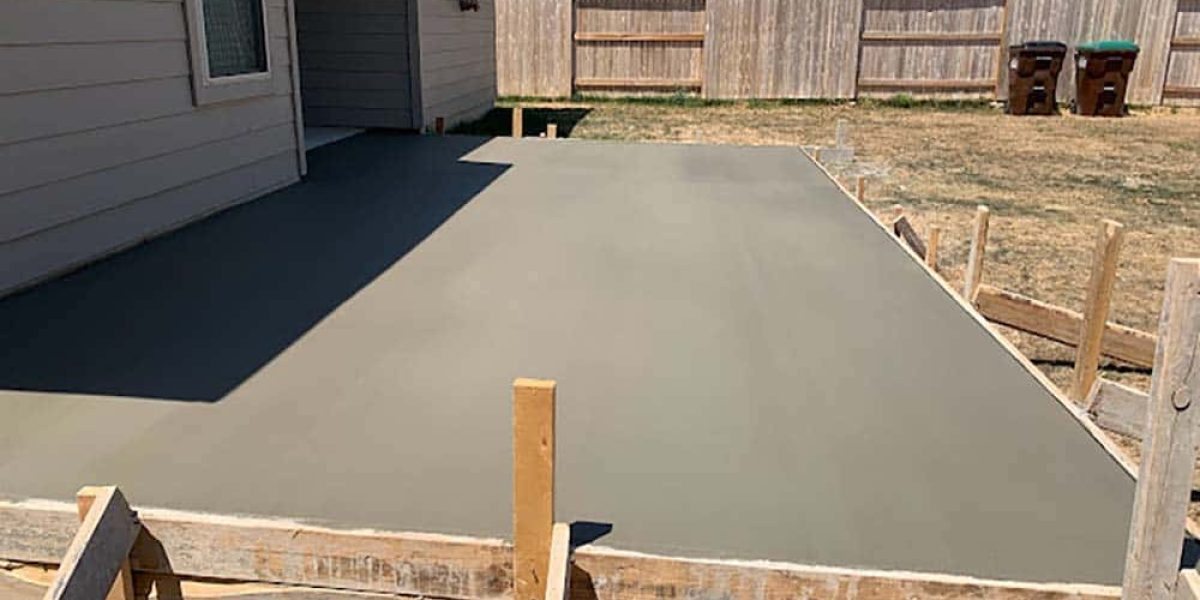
<point x="1102" y="77"/>
<point x="1033" y="69"/>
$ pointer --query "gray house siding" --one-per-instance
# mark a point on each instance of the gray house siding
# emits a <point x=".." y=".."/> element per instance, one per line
<point x="101" y="144"/>
<point x="354" y="62"/>
<point x="458" y="60"/>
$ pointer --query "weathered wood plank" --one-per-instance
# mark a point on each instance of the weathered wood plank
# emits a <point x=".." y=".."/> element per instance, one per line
<point x="93" y="559"/>
<point x="558" y="577"/>
<point x="931" y="253"/>
<point x="1062" y="325"/>
<point x="974" y="271"/>
<point x="275" y="551"/>
<point x="927" y="84"/>
<point x="122" y="588"/>
<point x="905" y="230"/>
<point x="1096" y="305"/>
<point x="1118" y="408"/>
<point x="1164" y="484"/>
<point x="932" y="36"/>
<point x="596" y="82"/>
<point x="621" y="36"/>
<point x="533" y="485"/>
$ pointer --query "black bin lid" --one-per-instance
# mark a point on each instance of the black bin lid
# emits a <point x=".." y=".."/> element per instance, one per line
<point x="1044" y="46"/>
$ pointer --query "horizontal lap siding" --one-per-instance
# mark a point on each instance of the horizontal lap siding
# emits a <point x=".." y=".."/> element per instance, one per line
<point x="354" y="62"/>
<point x="458" y="60"/>
<point x="101" y="145"/>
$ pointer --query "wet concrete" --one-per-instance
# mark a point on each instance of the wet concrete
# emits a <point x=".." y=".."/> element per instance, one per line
<point x="747" y="367"/>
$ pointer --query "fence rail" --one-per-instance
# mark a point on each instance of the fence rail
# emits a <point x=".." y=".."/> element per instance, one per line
<point x="830" y="49"/>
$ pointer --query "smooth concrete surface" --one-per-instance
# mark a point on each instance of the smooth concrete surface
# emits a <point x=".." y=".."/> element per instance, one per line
<point x="747" y="367"/>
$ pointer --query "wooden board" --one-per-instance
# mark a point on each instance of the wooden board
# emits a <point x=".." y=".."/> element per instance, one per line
<point x="1062" y="325"/>
<point x="261" y="550"/>
<point x="1118" y="408"/>
<point x="94" y="558"/>
<point x="533" y="485"/>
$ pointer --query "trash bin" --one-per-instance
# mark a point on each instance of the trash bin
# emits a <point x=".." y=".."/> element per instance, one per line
<point x="1033" y="69"/>
<point x="1102" y="75"/>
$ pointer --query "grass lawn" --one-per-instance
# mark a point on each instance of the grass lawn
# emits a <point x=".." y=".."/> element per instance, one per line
<point x="1048" y="180"/>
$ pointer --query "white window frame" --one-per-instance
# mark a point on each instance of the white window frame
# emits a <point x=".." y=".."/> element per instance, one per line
<point x="209" y="90"/>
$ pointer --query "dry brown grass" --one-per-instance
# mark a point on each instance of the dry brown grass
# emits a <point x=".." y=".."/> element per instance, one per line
<point x="1048" y="181"/>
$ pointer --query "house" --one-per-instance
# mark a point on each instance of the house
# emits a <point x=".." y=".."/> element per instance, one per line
<point x="121" y="120"/>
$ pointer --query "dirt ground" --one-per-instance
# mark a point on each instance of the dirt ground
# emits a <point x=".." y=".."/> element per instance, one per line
<point x="1048" y="181"/>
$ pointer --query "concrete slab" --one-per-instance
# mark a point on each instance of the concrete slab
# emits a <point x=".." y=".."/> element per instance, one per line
<point x="748" y="368"/>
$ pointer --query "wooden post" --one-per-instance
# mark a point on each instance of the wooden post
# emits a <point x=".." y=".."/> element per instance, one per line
<point x="558" y="583"/>
<point x="518" y="122"/>
<point x="861" y="190"/>
<point x="533" y="485"/>
<point x="439" y="125"/>
<point x="1164" y="484"/>
<point x="551" y="131"/>
<point x="1095" y="312"/>
<point x="122" y="588"/>
<point x="974" y="273"/>
<point x="931" y="249"/>
<point x="897" y="214"/>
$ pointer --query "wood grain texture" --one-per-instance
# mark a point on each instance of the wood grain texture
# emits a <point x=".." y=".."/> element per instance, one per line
<point x="1118" y="408"/>
<point x="1164" y="483"/>
<point x="974" y="271"/>
<point x="533" y="485"/>
<point x="533" y="48"/>
<point x="96" y="553"/>
<point x="558" y="576"/>
<point x="931" y="252"/>
<point x="924" y="46"/>
<point x="122" y="587"/>
<point x="1096" y="304"/>
<point x="647" y="44"/>
<point x="200" y="546"/>
<point x="1062" y="325"/>
<point x="1181" y="85"/>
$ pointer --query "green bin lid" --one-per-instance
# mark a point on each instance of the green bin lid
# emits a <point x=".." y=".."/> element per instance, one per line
<point x="1109" y="46"/>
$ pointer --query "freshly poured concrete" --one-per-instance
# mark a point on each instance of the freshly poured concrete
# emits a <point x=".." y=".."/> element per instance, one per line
<point x="747" y="367"/>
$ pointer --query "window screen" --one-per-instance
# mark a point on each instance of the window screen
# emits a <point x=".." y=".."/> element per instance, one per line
<point x="233" y="33"/>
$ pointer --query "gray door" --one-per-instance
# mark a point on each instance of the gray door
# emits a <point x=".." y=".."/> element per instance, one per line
<point x="354" y="62"/>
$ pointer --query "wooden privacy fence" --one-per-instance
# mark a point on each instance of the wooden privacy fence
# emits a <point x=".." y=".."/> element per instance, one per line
<point x="831" y="49"/>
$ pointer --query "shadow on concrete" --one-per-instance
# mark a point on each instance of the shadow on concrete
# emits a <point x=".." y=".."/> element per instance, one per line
<point x="586" y="532"/>
<point x="498" y="122"/>
<point x="191" y="315"/>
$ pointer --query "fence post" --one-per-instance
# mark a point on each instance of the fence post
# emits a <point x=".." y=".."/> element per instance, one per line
<point x="1164" y="484"/>
<point x="533" y="485"/>
<point x="1095" y="312"/>
<point x="518" y="122"/>
<point x="974" y="273"/>
<point x="861" y="190"/>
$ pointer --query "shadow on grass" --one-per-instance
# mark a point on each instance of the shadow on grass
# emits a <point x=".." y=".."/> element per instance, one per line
<point x="498" y="122"/>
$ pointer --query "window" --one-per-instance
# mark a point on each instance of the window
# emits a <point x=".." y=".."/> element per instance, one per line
<point x="230" y="49"/>
<point x="234" y="37"/>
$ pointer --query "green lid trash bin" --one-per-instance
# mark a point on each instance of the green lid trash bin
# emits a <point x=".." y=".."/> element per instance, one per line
<point x="1102" y="77"/>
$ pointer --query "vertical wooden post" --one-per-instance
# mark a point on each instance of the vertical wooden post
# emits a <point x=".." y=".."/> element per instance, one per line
<point x="897" y="214"/>
<point x="558" y="582"/>
<point x="551" y="131"/>
<point x="122" y="588"/>
<point x="1095" y="311"/>
<point x="533" y="485"/>
<point x="931" y="250"/>
<point x="518" y="122"/>
<point x="1164" y="484"/>
<point x="439" y="125"/>
<point x="861" y="190"/>
<point x="974" y="273"/>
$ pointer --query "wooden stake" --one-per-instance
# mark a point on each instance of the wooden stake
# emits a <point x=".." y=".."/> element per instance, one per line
<point x="95" y="557"/>
<point x="974" y="273"/>
<point x="897" y="214"/>
<point x="518" y="122"/>
<point x="533" y="485"/>
<point x="558" y="584"/>
<point x="122" y="588"/>
<point x="1095" y="312"/>
<point x="1164" y="484"/>
<point x="551" y="131"/>
<point x="931" y="249"/>
<point x="439" y="125"/>
<point x="861" y="190"/>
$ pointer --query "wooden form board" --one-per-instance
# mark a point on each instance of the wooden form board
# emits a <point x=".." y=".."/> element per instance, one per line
<point x="261" y="550"/>
<point x="1062" y="325"/>
<point x="99" y="549"/>
<point x="1118" y="408"/>
<point x="915" y="46"/>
